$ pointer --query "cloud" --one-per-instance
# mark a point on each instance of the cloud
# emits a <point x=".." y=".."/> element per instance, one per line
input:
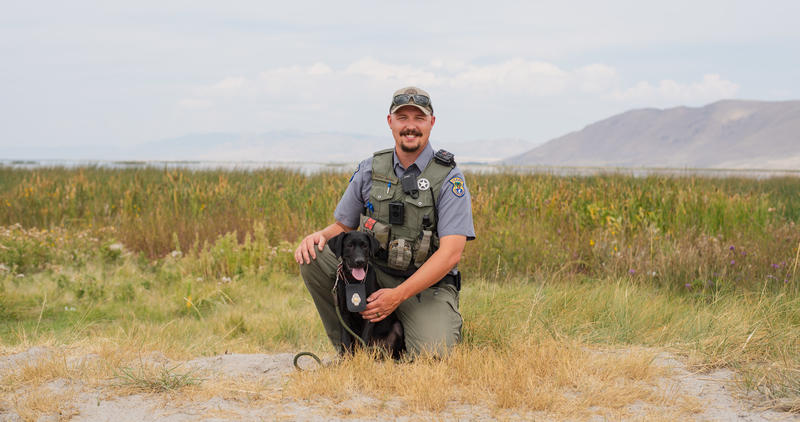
<point x="516" y="75"/>
<point x="404" y="74"/>
<point x="195" y="103"/>
<point x="278" y="92"/>
<point x="226" y="87"/>
<point x="535" y="78"/>
<point x="319" y="69"/>
<point x="711" y="88"/>
<point x="596" y="78"/>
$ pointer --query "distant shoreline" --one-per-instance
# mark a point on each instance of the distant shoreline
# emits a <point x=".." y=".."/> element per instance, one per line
<point x="469" y="167"/>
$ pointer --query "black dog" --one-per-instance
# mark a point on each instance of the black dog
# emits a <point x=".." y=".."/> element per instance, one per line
<point x="355" y="250"/>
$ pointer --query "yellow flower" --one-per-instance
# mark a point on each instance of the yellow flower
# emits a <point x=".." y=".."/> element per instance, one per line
<point x="591" y="242"/>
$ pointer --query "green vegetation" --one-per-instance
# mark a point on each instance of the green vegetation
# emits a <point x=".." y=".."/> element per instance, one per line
<point x="155" y="380"/>
<point x="670" y="231"/>
<point x="197" y="263"/>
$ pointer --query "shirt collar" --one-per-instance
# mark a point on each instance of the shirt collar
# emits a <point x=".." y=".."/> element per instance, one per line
<point x="421" y="162"/>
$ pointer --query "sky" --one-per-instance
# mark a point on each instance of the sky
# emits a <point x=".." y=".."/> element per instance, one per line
<point x="123" y="74"/>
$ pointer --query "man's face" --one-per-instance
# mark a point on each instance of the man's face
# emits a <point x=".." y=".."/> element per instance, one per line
<point x="411" y="128"/>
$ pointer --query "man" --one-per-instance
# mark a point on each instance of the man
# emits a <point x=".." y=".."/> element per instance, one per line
<point x="417" y="205"/>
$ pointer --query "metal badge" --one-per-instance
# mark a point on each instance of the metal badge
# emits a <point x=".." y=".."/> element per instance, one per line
<point x="356" y="294"/>
<point x="423" y="184"/>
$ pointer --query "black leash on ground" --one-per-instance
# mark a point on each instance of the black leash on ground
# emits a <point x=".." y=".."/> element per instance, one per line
<point x="339" y="274"/>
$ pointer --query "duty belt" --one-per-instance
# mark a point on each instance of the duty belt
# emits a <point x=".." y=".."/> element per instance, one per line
<point x="455" y="280"/>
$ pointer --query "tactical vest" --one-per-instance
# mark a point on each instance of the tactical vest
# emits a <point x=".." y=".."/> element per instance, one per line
<point x="405" y="226"/>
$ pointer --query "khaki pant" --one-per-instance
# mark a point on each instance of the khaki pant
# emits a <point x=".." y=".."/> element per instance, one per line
<point x="431" y="320"/>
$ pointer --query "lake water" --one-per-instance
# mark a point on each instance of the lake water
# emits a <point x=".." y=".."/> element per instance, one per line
<point x="311" y="168"/>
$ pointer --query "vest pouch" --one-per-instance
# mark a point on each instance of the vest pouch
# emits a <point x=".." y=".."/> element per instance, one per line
<point x="422" y="247"/>
<point x="377" y="229"/>
<point x="399" y="254"/>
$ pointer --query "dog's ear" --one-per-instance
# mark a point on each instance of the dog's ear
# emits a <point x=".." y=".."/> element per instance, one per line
<point x="374" y="246"/>
<point x="336" y="242"/>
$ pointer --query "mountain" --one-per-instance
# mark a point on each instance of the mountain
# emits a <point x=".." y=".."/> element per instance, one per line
<point x="733" y="134"/>
<point x="286" y="146"/>
<point x="486" y="150"/>
<point x="275" y="146"/>
<point x="310" y="147"/>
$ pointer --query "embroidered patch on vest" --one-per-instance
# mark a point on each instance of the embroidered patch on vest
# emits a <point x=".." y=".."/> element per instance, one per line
<point x="458" y="186"/>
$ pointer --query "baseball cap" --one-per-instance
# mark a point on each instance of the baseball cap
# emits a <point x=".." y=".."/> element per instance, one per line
<point x="412" y="96"/>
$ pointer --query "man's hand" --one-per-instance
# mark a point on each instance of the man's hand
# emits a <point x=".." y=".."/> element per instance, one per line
<point x="306" y="251"/>
<point x="382" y="303"/>
<point x="385" y="301"/>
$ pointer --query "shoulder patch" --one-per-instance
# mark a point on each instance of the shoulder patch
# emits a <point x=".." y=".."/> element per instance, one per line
<point x="354" y="173"/>
<point x="458" y="186"/>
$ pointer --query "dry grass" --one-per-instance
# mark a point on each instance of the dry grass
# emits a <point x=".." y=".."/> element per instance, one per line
<point x="562" y="379"/>
<point x="47" y="383"/>
<point x="31" y="404"/>
<point x="755" y="333"/>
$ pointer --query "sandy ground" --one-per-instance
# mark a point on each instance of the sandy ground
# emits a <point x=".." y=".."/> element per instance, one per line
<point x="232" y="400"/>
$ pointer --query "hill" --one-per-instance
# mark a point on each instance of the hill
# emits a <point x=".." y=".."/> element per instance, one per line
<point x="726" y="134"/>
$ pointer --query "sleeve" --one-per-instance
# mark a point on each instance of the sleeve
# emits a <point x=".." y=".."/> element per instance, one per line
<point x="455" y="207"/>
<point x="352" y="202"/>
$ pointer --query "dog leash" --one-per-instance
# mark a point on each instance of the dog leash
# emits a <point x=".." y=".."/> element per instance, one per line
<point x="339" y="275"/>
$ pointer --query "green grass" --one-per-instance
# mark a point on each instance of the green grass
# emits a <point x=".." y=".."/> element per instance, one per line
<point x="155" y="380"/>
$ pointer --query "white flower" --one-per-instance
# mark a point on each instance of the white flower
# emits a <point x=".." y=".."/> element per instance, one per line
<point x="176" y="254"/>
<point x="226" y="279"/>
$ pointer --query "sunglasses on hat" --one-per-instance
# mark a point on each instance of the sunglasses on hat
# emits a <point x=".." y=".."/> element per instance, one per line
<point x="403" y="99"/>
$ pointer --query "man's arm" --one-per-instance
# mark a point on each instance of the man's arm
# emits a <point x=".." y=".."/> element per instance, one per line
<point x="346" y="214"/>
<point x="305" y="252"/>
<point x="385" y="301"/>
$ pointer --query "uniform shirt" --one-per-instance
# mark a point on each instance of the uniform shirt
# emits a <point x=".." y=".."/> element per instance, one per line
<point x="454" y="203"/>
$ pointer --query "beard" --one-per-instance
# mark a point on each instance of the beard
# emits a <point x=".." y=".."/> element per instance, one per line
<point x="411" y="148"/>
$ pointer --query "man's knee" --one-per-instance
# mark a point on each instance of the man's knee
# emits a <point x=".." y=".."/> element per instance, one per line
<point x="434" y="344"/>
<point x="321" y="271"/>
<point x="432" y="323"/>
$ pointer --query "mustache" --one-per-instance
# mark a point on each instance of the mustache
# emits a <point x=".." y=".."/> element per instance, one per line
<point x="414" y="132"/>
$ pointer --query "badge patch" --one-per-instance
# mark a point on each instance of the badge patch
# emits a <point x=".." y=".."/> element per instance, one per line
<point x="355" y="294"/>
<point x="423" y="184"/>
<point x="458" y="186"/>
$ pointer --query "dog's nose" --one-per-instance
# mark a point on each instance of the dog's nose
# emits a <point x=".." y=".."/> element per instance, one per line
<point x="359" y="262"/>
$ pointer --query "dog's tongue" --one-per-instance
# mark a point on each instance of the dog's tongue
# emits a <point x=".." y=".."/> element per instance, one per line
<point x="358" y="273"/>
